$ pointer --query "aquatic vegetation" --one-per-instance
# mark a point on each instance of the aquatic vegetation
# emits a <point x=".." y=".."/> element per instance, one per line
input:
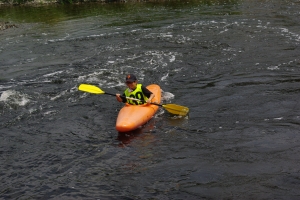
<point x="43" y="2"/>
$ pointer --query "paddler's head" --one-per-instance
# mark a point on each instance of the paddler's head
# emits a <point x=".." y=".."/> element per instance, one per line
<point x="131" y="81"/>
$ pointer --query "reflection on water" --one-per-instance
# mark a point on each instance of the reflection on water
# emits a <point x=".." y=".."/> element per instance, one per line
<point x="144" y="133"/>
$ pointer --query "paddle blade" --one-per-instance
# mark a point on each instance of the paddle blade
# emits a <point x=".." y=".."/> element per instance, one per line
<point x="90" y="88"/>
<point x="176" y="109"/>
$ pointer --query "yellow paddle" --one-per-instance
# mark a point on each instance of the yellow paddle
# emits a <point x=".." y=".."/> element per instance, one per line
<point x="171" y="108"/>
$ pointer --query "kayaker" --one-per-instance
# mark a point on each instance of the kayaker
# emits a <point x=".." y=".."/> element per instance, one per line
<point x="135" y="90"/>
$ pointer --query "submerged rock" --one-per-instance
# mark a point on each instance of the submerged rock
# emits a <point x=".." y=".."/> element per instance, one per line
<point x="6" y="25"/>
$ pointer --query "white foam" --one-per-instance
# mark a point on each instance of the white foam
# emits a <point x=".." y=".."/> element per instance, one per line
<point x="159" y="113"/>
<point x="164" y="78"/>
<point x="4" y="87"/>
<point x="93" y="77"/>
<point x="63" y="93"/>
<point x="172" y="59"/>
<point x="52" y="74"/>
<point x="278" y="118"/>
<point x="167" y="96"/>
<point x="273" y="68"/>
<point x="293" y="36"/>
<point x="14" y="97"/>
<point x="51" y="112"/>
<point x="4" y="96"/>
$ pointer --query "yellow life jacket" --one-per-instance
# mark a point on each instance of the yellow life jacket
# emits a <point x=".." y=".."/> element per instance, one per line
<point x="137" y="94"/>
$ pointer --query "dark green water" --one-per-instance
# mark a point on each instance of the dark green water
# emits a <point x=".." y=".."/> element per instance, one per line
<point x="235" y="64"/>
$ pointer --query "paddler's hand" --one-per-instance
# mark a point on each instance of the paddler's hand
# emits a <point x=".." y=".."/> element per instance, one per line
<point x="118" y="98"/>
<point x="150" y="99"/>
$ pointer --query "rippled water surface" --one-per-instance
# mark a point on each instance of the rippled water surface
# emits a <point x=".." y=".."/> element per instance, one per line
<point x="235" y="64"/>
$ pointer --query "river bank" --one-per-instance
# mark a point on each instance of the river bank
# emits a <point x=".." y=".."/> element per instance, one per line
<point x="26" y="2"/>
<point x="47" y="2"/>
<point x="51" y="12"/>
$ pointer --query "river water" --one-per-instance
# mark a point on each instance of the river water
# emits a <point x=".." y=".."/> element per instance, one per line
<point x="235" y="64"/>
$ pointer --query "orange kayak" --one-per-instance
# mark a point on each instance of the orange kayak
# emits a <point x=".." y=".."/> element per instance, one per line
<point x="131" y="117"/>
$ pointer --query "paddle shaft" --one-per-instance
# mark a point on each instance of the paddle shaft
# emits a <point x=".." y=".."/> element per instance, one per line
<point x="132" y="98"/>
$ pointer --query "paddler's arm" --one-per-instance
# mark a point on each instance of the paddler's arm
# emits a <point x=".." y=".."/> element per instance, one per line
<point x="148" y="94"/>
<point x="150" y="98"/>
